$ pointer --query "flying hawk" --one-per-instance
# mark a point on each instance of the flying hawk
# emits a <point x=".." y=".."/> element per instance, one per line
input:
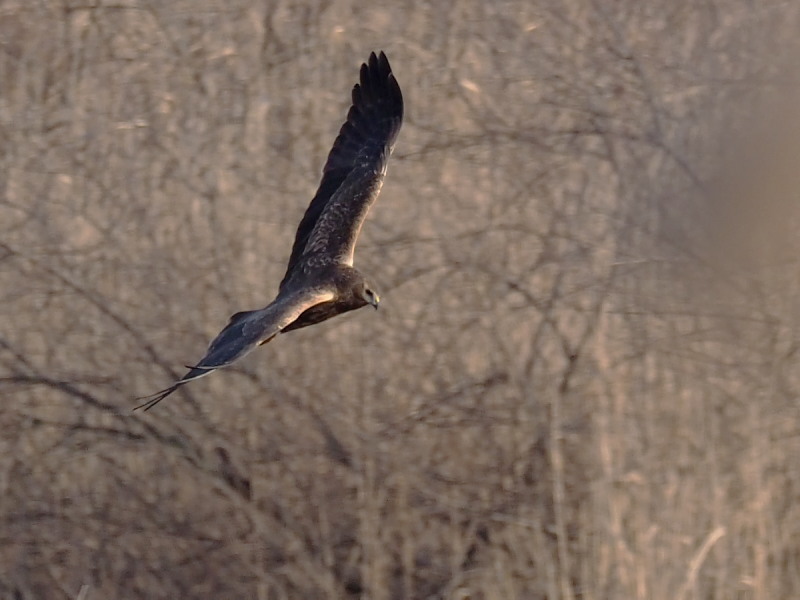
<point x="320" y="281"/>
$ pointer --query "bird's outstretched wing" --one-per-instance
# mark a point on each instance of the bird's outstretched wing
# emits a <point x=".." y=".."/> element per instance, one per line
<point x="244" y="332"/>
<point x="355" y="168"/>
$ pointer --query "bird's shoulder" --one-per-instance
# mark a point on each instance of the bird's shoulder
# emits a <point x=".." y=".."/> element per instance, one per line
<point x="312" y="270"/>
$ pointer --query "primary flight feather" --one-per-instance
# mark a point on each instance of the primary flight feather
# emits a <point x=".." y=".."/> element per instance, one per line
<point x="320" y="281"/>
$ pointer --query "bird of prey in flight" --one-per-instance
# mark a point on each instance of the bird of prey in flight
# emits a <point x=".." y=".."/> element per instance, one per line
<point x="320" y="280"/>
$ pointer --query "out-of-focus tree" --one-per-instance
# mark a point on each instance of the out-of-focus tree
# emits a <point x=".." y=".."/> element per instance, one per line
<point x="581" y="382"/>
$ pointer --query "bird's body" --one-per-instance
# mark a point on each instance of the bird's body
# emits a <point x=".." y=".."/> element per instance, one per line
<point x="320" y="280"/>
<point x="347" y="281"/>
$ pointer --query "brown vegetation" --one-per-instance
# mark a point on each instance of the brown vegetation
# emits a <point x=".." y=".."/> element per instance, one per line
<point x="568" y="393"/>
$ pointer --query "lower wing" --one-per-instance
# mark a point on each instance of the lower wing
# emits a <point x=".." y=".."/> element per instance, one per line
<point x="244" y="332"/>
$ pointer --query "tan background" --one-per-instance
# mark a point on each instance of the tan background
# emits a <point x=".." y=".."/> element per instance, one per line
<point x="574" y="388"/>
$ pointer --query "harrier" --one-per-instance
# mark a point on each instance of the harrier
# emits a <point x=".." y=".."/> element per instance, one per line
<point x="320" y="281"/>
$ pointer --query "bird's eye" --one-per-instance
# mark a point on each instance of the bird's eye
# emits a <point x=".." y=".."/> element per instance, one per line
<point x="369" y="292"/>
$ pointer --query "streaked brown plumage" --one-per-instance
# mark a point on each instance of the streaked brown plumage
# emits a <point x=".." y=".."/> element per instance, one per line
<point x="320" y="280"/>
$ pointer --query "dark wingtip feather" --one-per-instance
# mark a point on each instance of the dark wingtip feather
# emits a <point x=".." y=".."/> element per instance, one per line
<point x="153" y="399"/>
<point x="375" y="116"/>
<point x="195" y="372"/>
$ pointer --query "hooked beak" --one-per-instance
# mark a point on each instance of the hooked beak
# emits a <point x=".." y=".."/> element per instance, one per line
<point x="375" y="301"/>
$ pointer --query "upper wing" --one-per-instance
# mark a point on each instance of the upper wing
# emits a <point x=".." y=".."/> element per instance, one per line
<point x="355" y="168"/>
<point x="243" y="333"/>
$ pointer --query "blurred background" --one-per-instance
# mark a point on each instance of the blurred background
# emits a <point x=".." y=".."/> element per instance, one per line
<point x="583" y="380"/>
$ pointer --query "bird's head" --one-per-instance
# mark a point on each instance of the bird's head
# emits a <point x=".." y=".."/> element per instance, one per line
<point x="370" y="297"/>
